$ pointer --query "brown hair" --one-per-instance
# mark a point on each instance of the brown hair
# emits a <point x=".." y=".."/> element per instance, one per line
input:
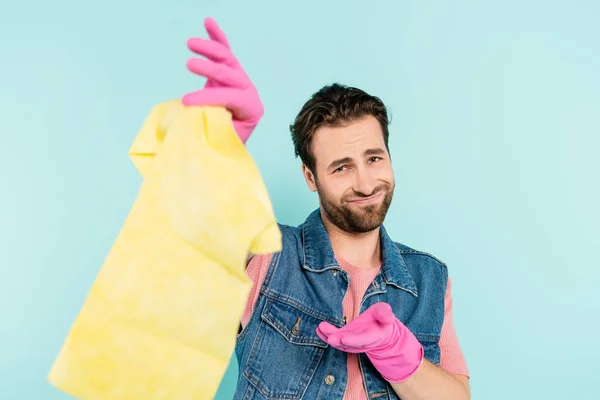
<point x="334" y="105"/>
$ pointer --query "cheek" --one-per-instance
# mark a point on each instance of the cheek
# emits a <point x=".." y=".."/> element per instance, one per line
<point x="334" y="190"/>
<point x="385" y="172"/>
<point x="390" y="176"/>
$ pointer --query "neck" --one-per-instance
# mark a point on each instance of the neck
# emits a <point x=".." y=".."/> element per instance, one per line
<point x="362" y="250"/>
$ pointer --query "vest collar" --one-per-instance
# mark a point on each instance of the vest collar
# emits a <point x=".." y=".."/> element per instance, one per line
<point x="319" y="256"/>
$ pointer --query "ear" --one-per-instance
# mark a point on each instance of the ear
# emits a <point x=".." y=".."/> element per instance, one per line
<point x="310" y="178"/>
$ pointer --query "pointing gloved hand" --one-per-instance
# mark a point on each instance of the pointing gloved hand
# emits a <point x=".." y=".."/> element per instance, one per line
<point x="388" y="343"/>
<point x="227" y="83"/>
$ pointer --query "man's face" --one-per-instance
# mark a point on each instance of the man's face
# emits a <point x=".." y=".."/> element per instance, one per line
<point x="354" y="175"/>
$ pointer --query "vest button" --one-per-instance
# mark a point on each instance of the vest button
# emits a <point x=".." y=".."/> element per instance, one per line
<point x="330" y="380"/>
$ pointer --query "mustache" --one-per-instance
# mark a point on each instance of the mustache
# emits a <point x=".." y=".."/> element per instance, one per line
<point x="359" y="196"/>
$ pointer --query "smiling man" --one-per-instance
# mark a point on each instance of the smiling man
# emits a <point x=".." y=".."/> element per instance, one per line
<point x="342" y="311"/>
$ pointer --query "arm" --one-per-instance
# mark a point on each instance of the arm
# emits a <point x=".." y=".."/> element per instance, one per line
<point x="227" y="84"/>
<point x="432" y="382"/>
<point x="399" y="356"/>
<point x="256" y="269"/>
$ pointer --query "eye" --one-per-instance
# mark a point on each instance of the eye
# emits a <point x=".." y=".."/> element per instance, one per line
<point x="374" y="159"/>
<point x="340" y="169"/>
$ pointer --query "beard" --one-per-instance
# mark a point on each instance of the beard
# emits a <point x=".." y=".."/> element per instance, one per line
<point x="356" y="218"/>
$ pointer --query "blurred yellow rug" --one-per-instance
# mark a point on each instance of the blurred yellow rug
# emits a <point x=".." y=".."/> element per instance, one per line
<point x="161" y="317"/>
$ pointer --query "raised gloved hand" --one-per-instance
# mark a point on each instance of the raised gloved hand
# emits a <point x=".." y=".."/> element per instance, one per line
<point x="227" y="83"/>
<point x="388" y="343"/>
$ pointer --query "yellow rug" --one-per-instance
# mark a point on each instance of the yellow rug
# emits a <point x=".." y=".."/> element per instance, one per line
<point x="161" y="317"/>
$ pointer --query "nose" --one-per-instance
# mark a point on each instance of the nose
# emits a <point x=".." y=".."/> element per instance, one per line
<point x="364" y="182"/>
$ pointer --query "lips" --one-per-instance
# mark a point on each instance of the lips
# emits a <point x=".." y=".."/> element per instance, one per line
<point x="366" y="200"/>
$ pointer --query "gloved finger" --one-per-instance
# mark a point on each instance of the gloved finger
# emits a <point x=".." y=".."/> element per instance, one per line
<point x="322" y="334"/>
<point x="215" y="32"/>
<point x="325" y="329"/>
<point x="362" y="319"/>
<point x="211" y="49"/>
<point x="347" y="349"/>
<point x="360" y="340"/>
<point x="335" y="340"/>
<point x="211" y="83"/>
<point x="230" y="98"/>
<point x="383" y="313"/>
<point x="221" y="73"/>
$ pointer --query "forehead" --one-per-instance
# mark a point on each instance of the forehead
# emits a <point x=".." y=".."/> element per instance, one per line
<point x="349" y="140"/>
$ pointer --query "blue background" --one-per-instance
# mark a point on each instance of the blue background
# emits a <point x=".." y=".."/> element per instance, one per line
<point x="495" y="138"/>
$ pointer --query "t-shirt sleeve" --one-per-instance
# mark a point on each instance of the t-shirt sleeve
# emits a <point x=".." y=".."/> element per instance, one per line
<point x="452" y="359"/>
<point x="257" y="271"/>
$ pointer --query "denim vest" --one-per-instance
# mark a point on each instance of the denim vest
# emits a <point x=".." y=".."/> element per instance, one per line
<point x="279" y="353"/>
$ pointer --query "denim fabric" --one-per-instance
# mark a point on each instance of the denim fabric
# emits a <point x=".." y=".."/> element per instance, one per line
<point x="279" y="353"/>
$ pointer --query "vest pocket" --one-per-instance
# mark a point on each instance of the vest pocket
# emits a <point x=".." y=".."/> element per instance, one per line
<point x="286" y="352"/>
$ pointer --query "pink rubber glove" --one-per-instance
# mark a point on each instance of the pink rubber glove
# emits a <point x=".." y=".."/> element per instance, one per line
<point x="227" y="83"/>
<point x="388" y="343"/>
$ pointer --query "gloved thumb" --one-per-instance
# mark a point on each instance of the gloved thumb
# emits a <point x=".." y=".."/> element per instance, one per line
<point x="383" y="313"/>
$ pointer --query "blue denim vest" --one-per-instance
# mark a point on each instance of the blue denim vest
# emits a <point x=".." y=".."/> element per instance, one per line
<point x="279" y="353"/>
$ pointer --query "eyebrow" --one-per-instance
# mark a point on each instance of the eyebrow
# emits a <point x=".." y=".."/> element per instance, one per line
<point x="369" y="152"/>
<point x="374" y="152"/>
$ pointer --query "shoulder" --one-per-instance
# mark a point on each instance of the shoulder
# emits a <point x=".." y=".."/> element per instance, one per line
<point x="289" y="229"/>
<point x="415" y="257"/>
<point x="290" y="234"/>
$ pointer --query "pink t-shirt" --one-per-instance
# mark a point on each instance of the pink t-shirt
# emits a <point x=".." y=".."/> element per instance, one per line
<point x="451" y="357"/>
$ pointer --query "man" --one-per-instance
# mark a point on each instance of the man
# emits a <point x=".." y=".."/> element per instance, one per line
<point x="342" y="311"/>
